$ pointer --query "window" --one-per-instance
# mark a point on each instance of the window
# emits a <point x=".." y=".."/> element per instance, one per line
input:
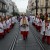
<point x="0" y="5"/>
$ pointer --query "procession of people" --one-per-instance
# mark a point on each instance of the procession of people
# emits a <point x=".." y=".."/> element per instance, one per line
<point x="6" y="24"/>
<point x="38" y="21"/>
<point x="43" y="26"/>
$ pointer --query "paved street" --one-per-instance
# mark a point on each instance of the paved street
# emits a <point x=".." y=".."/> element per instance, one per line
<point x="30" y="44"/>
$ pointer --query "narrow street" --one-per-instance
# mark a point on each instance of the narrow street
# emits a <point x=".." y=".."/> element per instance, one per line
<point x="30" y="44"/>
<point x="33" y="41"/>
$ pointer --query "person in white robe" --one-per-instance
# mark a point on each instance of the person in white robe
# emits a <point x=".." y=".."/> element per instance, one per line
<point x="1" y="29"/>
<point x="33" y="21"/>
<point x="43" y="30"/>
<point x="39" y="23"/>
<point x="4" y="25"/>
<point x="8" y="24"/>
<point x="47" y="33"/>
<point x="24" y="27"/>
<point x="13" y="21"/>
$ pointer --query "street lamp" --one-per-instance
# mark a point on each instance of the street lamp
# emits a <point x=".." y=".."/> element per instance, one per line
<point x="36" y="6"/>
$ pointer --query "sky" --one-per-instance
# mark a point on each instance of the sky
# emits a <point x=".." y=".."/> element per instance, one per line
<point x="21" y="5"/>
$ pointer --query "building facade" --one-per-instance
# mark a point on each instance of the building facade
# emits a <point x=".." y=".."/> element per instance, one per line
<point x="3" y="9"/>
<point x="10" y="6"/>
<point x="41" y="6"/>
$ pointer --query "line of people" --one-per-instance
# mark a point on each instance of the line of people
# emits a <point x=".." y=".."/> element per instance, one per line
<point x="6" y="24"/>
<point x="43" y="27"/>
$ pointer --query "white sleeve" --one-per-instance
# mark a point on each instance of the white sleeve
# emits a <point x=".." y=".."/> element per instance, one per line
<point x="20" y="22"/>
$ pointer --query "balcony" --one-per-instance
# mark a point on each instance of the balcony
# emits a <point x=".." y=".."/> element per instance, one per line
<point x="2" y="1"/>
<point x="2" y="6"/>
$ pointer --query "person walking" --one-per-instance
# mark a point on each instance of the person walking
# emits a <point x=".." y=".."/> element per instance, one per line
<point x="4" y="25"/>
<point x="43" y="30"/>
<point x="48" y="32"/>
<point x="24" y="26"/>
<point x="8" y="24"/>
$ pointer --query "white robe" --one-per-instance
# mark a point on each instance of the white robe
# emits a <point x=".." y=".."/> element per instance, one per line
<point x="4" y="24"/>
<point x="48" y="30"/>
<point x="36" y="21"/>
<point x="1" y="28"/>
<point x="8" y="24"/>
<point x="40" y="22"/>
<point x="31" y="19"/>
<point x="43" y="27"/>
<point x="13" y="19"/>
<point x="10" y="21"/>
<point x="27" y="27"/>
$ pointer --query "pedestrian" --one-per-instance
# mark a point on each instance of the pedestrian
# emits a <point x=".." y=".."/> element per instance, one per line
<point x="13" y="21"/>
<point x="24" y="27"/>
<point x="1" y="28"/>
<point x="4" y="25"/>
<point x="8" y="24"/>
<point x="48" y="31"/>
<point x="33" y="21"/>
<point x="43" y="30"/>
<point x="36" y="21"/>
